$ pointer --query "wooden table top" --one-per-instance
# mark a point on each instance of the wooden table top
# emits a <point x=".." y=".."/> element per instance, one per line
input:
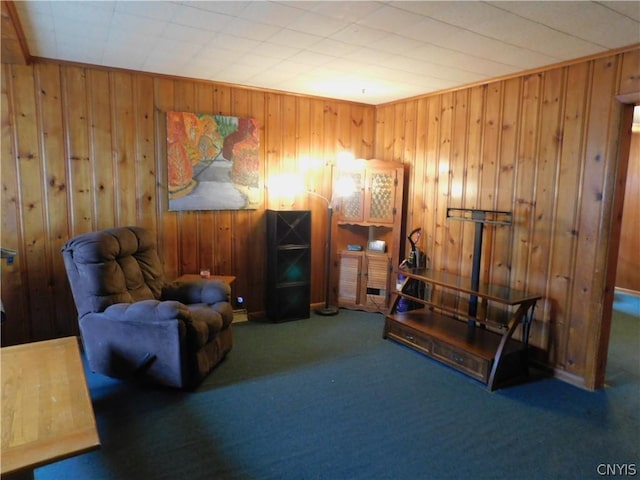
<point x="189" y="277"/>
<point x="47" y="414"/>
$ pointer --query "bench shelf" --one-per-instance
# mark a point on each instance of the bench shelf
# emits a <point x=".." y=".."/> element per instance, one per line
<point x="477" y="342"/>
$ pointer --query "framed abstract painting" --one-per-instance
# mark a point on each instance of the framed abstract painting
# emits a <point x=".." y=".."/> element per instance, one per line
<point x="212" y="162"/>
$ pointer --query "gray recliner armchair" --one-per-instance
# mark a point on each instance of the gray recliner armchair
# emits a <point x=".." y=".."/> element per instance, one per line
<point x="132" y="323"/>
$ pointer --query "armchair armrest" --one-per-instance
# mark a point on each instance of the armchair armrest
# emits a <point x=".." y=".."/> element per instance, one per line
<point x="146" y="338"/>
<point x="197" y="291"/>
<point x="147" y="311"/>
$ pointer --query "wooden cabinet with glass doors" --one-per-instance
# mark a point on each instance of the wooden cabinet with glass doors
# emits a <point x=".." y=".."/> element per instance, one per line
<point x="368" y="234"/>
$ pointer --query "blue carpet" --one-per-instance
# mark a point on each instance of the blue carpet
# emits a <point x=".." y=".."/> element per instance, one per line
<point x="328" y="398"/>
<point x="626" y="303"/>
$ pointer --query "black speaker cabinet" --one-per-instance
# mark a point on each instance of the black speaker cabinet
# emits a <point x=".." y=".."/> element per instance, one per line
<point x="288" y="264"/>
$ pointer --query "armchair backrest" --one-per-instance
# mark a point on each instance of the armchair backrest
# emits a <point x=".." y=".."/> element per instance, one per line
<point x="118" y="265"/>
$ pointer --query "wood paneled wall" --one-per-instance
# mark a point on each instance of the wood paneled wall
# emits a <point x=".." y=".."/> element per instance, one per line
<point x="628" y="273"/>
<point x="84" y="149"/>
<point x="545" y="147"/>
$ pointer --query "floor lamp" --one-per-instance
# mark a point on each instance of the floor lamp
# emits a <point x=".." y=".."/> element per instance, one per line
<point x="327" y="310"/>
<point x="342" y="187"/>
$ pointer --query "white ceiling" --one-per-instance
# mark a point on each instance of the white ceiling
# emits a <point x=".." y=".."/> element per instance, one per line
<point x="366" y="51"/>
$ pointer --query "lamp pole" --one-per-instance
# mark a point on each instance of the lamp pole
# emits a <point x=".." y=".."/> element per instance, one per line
<point x="346" y="188"/>
<point x="328" y="310"/>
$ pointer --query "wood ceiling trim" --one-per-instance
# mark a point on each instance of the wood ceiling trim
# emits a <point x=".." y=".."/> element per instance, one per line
<point x="14" y="43"/>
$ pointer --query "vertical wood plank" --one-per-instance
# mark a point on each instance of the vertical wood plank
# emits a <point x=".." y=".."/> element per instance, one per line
<point x="432" y="148"/>
<point x="567" y="198"/>
<point x="628" y="259"/>
<point x="388" y="142"/>
<point x="29" y="161"/>
<point x="549" y="143"/>
<point x="249" y="243"/>
<point x="319" y="181"/>
<point x="410" y="133"/>
<point x="442" y="188"/>
<point x="525" y="177"/>
<point x="222" y="237"/>
<point x="273" y="146"/>
<point x="367" y="132"/>
<point x="380" y="120"/>
<point x="418" y="180"/>
<point x="205" y="221"/>
<point x="189" y="245"/>
<point x="80" y="182"/>
<point x="240" y="220"/>
<point x="471" y="178"/>
<point x="397" y="139"/>
<point x="502" y="254"/>
<point x="355" y="130"/>
<point x="307" y="170"/>
<point x="145" y="167"/>
<point x="603" y="284"/>
<point x="124" y="128"/>
<point x="585" y="303"/>
<point x="490" y="145"/>
<point x="457" y="178"/>
<point x="17" y="326"/>
<point x="49" y="103"/>
<point x="343" y="130"/>
<point x="168" y="221"/>
<point x="102" y="142"/>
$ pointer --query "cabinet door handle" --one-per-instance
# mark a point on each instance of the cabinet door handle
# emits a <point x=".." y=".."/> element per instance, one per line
<point x="411" y="338"/>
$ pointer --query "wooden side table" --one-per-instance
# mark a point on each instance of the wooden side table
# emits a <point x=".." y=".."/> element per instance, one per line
<point x="47" y="414"/>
